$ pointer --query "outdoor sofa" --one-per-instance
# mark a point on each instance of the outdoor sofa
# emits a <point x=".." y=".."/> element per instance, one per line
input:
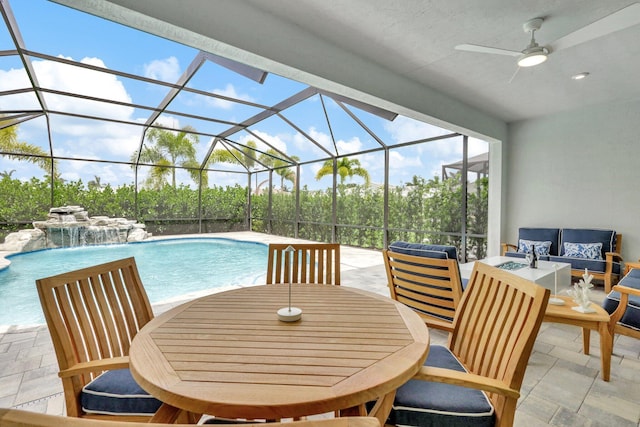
<point x="596" y="250"/>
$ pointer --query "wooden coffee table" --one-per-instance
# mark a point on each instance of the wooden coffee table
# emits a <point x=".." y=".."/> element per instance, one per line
<point x="598" y="321"/>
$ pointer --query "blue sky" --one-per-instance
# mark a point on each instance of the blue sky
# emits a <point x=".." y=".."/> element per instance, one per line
<point x="62" y="32"/>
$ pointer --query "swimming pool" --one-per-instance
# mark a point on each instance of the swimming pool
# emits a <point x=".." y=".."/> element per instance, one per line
<point x="168" y="269"/>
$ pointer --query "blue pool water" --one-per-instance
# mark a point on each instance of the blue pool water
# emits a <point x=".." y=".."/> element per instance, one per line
<point x="168" y="268"/>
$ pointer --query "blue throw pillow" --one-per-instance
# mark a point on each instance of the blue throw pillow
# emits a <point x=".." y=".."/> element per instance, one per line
<point x="542" y="248"/>
<point x="583" y="250"/>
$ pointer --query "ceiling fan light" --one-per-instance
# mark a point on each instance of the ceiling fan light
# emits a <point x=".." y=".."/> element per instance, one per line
<point x="532" y="58"/>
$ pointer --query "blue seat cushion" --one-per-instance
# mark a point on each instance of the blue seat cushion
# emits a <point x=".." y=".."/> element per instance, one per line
<point x="115" y="392"/>
<point x="429" y="251"/>
<point x="593" y="265"/>
<point x="631" y="316"/>
<point x="422" y="403"/>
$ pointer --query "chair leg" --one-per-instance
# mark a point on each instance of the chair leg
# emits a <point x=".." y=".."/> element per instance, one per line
<point x="167" y="414"/>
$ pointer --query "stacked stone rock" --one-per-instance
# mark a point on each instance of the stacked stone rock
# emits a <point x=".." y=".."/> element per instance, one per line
<point x="72" y="226"/>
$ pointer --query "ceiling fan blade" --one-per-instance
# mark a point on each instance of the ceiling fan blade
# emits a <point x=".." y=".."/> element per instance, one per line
<point x="624" y="18"/>
<point x="486" y="49"/>
<point x="514" y="75"/>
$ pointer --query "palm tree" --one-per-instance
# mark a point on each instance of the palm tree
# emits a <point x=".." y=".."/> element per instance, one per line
<point x="285" y="173"/>
<point x="167" y="150"/>
<point x="95" y="183"/>
<point x="346" y="168"/>
<point x="7" y="174"/>
<point x="22" y="150"/>
<point x="271" y="159"/>
<point x="245" y="156"/>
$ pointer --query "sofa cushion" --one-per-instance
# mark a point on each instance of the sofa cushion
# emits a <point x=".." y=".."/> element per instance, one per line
<point x="631" y="316"/>
<point x="582" y="250"/>
<point x="593" y="265"/>
<point x="584" y="235"/>
<point x="423" y="403"/>
<point x="429" y="251"/>
<point x="115" y="392"/>
<point x="542" y="235"/>
<point x="542" y="248"/>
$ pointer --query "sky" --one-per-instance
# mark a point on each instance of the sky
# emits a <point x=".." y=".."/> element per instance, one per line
<point x="59" y="31"/>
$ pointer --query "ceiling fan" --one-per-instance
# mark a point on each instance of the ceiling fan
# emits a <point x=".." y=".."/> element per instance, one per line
<point x="535" y="54"/>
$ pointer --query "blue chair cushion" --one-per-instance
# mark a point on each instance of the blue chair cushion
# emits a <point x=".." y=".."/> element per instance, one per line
<point x="429" y="251"/>
<point x="115" y="392"/>
<point x="421" y="403"/>
<point x="542" y="235"/>
<point x="631" y="316"/>
<point x="583" y="235"/>
<point x="593" y="265"/>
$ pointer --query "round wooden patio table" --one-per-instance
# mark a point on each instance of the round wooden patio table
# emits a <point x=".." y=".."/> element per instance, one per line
<point x="228" y="355"/>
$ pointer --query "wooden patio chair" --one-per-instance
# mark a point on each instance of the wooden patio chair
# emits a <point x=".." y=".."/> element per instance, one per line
<point x="429" y="283"/>
<point x="476" y="379"/>
<point x="312" y="263"/>
<point x="623" y="304"/>
<point x="20" y="418"/>
<point x="93" y="314"/>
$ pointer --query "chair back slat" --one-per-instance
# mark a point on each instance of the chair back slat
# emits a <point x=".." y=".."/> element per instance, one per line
<point x="92" y="314"/>
<point x="495" y="328"/>
<point x="101" y="347"/>
<point x="311" y="263"/>
<point x="109" y="290"/>
<point x="430" y="286"/>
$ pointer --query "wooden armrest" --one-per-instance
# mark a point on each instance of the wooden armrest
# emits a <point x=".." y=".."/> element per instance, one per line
<point x="443" y="325"/>
<point x="628" y="266"/>
<point x="613" y="256"/>
<point x="626" y="290"/>
<point x="465" y="379"/>
<point x="507" y="246"/>
<point x="120" y="362"/>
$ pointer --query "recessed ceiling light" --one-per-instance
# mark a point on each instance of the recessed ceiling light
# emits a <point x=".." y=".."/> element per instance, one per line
<point x="579" y="76"/>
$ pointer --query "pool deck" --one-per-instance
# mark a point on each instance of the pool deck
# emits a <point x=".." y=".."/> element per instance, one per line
<point x="562" y="386"/>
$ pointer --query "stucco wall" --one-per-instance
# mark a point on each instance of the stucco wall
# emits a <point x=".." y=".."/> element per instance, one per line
<point x="578" y="169"/>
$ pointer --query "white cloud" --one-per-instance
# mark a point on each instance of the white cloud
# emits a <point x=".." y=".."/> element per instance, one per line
<point x="398" y="162"/>
<point x="277" y="141"/>
<point x="351" y="146"/>
<point x="229" y="91"/>
<point x="167" y="69"/>
<point x="405" y="129"/>
<point x="303" y="145"/>
<point x="71" y="136"/>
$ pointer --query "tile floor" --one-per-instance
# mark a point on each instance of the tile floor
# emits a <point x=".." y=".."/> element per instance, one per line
<point x="562" y="386"/>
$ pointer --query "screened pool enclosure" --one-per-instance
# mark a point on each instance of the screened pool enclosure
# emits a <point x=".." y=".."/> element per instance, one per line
<point x="131" y="125"/>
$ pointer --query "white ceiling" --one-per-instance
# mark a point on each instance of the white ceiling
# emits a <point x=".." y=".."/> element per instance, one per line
<point x="358" y="42"/>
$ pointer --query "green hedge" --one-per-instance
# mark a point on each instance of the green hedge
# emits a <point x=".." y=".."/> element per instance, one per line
<point x="425" y="211"/>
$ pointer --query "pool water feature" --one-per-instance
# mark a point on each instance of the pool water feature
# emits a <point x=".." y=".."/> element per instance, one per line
<point x="168" y="268"/>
